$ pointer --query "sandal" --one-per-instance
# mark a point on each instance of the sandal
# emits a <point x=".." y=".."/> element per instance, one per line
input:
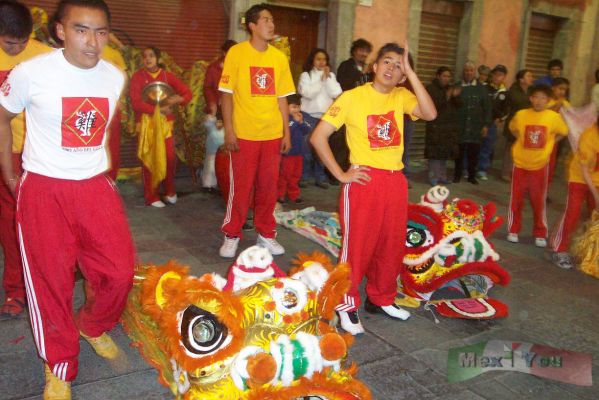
<point x="12" y="307"/>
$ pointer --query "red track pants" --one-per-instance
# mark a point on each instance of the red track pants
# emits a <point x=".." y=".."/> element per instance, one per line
<point x="289" y="177"/>
<point x="534" y="183"/>
<point x="578" y="193"/>
<point x="61" y="224"/>
<point x="153" y="194"/>
<point x="13" y="270"/>
<point x="373" y="221"/>
<point x="254" y="166"/>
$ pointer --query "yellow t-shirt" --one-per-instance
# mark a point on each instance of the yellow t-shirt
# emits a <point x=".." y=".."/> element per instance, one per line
<point x="256" y="79"/>
<point x="535" y="137"/>
<point x="7" y="63"/>
<point x="114" y="57"/>
<point x="588" y="155"/>
<point x="374" y="124"/>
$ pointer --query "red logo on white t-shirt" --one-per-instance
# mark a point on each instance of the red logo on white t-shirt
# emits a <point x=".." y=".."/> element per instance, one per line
<point x="535" y="136"/>
<point x="84" y="121"/>
<point x="4" y="85"/>
<point x="263" y="80"/>
<point x="383" y="131"/>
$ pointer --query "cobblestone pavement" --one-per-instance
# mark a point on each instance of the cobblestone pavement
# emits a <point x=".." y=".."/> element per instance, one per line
<point x="398" y="360"/>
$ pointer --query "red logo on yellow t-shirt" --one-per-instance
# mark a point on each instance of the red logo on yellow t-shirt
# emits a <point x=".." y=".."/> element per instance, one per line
<point x="84" y="121"/>
<point x="263" y="80"/>
<point x="535" y="137"/>
<point x="383" y="131"/>
<point x="334" y="110"/>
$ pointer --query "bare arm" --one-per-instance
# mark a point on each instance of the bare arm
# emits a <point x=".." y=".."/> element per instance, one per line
<point x="284" y="109"/>
<point x="425" y="109"/>
<point x="6" y="149"/>
<point x="320" y="141"/>
<point x="230" y="136"/>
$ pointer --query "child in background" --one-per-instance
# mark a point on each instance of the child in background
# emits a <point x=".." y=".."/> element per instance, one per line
<point x="214" y="139"/>
<point x="535" y="130"/>
<point x="559" y="88"/>
<point x="292" y="162"/>
<point x="587" y="157"/>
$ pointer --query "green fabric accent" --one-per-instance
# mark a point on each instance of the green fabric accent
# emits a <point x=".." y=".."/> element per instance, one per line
<point x="478" y="246"/>
<point x="300" y="361"/>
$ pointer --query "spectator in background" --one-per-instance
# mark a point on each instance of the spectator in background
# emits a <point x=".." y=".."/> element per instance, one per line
<point x="291" y="163"/>
<point x="595" y="91"/>
<point x="559" y="88"/>
<point x="211" y="93"/>
<point x="156" y="147"/>
<point x="498" y="98"/>
<point x="318" y="88"/>
<point x="518" y="98"/>
<point x="441" y="137"/>
<point x="554" y="70"/>
<point x="474" y="117"/>
<point x="483" y="74"/>
<point x="16" y="25"/>
<point x="352" y="72"/>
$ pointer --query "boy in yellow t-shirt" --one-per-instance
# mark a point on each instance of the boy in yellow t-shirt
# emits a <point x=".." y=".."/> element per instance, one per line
<point x="16" y="25"/>
<point x="374" y="196"/>
<point x="536" y="130"/>
<point x="586" y="157"/>
<point x="255" y="82"/>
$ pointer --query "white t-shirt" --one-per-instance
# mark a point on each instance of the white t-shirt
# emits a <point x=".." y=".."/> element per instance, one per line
<point x="68" y="110"/>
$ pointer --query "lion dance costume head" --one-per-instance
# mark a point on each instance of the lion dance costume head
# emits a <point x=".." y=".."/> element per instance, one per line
<point x="449" y="263"/>
<point x="257" y="335"/>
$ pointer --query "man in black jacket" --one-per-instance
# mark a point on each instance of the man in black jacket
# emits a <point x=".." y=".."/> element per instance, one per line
<point x="351" y="72"/>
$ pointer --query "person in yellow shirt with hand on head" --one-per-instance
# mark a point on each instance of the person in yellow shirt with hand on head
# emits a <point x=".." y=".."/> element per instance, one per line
<point x="536" y="130"/>
<point x="16" y="25"/>
<point x="373" y="205"/>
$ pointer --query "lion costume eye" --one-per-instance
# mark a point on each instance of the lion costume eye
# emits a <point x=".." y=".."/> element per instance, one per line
<point x="418" y="236"/>
<point x="201" y="332"/>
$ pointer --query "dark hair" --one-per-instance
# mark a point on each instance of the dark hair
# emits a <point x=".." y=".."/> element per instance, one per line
<point x="154" y="49"/>
<point x="308" y="65"/>
<point x="597" y="75"/>
<point x="389" y="47"/>
<point x="15" y="20"/>
<point x="540" y="88"/>
<point x="360" y="44"/>
<point x="440" y="70"/>
<point x="555" y="63"/>
<point x="157" y="53"/>
<point x="227" y="45"/>
<point x="520" y="74"/>
<point x="560" y="81"/>
<point x="294" y="99"/>
<point x="253" y="14"/>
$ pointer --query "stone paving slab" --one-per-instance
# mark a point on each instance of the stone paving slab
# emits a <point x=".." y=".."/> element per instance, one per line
<point x="398" y="360"/>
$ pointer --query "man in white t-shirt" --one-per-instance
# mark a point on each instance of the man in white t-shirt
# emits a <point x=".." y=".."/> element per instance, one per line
<point x="68" y="212"/>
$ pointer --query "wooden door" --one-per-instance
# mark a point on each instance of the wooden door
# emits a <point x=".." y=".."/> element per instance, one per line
<point x="301" y="27"/>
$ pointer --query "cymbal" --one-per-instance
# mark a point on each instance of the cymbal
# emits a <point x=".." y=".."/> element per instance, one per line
<point x="157" y="92"/>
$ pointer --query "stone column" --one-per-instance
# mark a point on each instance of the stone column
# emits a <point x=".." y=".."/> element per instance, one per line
<point x="340" y="29"/>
